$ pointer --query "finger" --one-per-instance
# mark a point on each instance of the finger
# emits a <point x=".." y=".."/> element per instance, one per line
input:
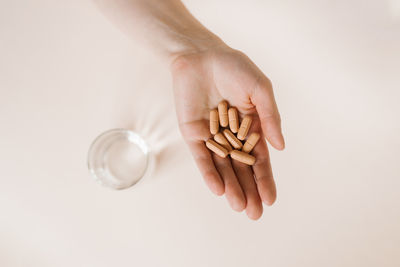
<point x="263" y="99"/>
<point x="233" y="191"/>
<point x="205" y="163"/>
<point x="254" y="208"/>
<point x="195" y="134"/>
<point x="263" y="173"/>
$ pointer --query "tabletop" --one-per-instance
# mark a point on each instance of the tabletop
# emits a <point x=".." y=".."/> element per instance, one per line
<point x="67" y="74"/>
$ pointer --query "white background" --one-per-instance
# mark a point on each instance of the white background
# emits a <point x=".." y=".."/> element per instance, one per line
<point x="67" y="74"/>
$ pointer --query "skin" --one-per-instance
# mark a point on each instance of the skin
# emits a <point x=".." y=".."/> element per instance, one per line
<point x="205" y="71"/>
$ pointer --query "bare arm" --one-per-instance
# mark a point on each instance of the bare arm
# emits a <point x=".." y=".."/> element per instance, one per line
<point x="166" y="25"/>
<point x="205" y="70"/>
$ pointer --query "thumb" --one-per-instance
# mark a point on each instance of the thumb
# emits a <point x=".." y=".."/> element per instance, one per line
<point x="263" y="99"/>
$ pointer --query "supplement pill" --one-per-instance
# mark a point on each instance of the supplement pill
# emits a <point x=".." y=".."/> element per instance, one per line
<point x="220" y="139"/>
<point x="251" y="142"/>
<point x="243" y="157"/>
<point x="223" y="113"/>
<point x="216" y="148"/>
<point x="232" y="139"/>
<point x="244" y="127"/>
<point x="214" y="121"/>
<point x="233" y="120"/>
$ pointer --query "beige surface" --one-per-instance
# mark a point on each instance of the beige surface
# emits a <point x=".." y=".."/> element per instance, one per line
<point x="66" y="75"/>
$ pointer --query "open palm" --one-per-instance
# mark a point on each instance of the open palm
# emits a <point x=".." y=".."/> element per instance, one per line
<point x="201" y="81"/>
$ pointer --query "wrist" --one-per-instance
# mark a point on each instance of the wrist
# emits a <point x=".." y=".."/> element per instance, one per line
<point x="193" y="41"/>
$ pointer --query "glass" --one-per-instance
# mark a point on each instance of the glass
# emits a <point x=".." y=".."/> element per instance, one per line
<point x="119" y="158"/>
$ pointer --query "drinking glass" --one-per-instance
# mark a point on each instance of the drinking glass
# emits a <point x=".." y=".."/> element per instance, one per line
<point x="119" y="158"/>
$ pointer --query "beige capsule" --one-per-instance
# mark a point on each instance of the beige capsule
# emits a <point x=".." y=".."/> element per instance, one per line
<point x="220" y="139"/>
<point x="244" y="127"/>
<point x="251" y="142"/>
<point x="233" y="120"/>
<point x="216" y="148"/>
<point x="243" y="157"/>
<point x="214" y="121"/>
<point x="223" y="113"/>
<point x="232" y="139"/>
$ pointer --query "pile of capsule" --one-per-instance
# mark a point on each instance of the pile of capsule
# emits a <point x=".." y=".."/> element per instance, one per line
<point x="226" y="142"/>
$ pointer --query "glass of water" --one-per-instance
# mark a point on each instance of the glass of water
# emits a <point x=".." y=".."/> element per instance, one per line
<point x="119" y="158"/>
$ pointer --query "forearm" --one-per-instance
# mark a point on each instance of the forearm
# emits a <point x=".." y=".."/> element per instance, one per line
<point x="166" y="25"/>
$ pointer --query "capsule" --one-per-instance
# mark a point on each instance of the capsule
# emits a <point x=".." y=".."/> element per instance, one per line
<point x="233" y="120"/>
<point x="243" y="157"/>
<point x="244" y="127"/>
<point x="223" y="113"/>
<point x="220" y="139"/>
<point x="214" y="121"/>
<point x="216" y="148"/>
<point x="251" y="142"/>
<point x="232" y="139"/>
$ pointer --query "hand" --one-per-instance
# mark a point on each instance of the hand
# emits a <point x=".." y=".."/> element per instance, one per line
<point x="201" y="80"/>
<point x="205" y="71"/>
